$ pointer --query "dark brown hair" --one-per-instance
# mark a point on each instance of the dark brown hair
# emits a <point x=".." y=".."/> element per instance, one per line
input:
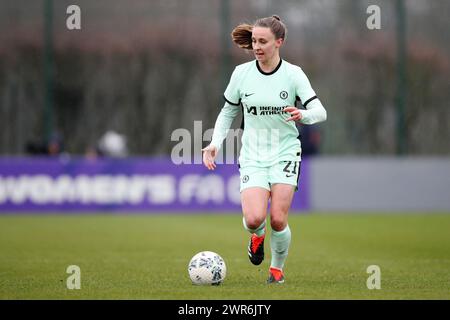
<point x="242" y="34"/>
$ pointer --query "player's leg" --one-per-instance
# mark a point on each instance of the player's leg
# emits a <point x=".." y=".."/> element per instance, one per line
<point x="280" y="237"/>
<point x="283" y="179"/>
<point x="255" y="194"/>
<point x="254" y="208"/>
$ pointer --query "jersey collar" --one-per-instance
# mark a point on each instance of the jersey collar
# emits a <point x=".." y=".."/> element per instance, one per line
<point x="268" y="73"/>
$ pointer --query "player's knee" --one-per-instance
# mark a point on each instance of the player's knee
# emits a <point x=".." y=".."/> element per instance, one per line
<point x="253" y="222"/>
<point x="278" y="223"/>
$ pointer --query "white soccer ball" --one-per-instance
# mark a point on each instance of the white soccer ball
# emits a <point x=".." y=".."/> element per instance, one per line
<point x="207" y="268"/>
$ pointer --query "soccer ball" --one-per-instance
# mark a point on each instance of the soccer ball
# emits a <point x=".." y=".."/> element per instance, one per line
<point x="207" y="268"/>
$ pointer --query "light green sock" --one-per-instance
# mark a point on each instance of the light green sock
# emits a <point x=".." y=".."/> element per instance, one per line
<point x="258" y="231"/>
<point x="279" y="245"/>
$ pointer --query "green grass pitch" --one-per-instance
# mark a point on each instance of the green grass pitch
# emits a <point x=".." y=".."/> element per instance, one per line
<point x="146" y="256"/>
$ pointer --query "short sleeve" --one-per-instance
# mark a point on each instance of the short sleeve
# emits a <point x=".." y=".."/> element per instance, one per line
<point x="303" y="87"/>
<point x="232" y="93"/>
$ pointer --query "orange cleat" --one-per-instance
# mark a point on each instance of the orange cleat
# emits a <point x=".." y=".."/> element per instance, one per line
<point x="256" y="249"/>
<point x="275" y="276"/>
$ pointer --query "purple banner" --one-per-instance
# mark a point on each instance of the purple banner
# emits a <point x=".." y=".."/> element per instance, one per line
<point x="132" y="184"/>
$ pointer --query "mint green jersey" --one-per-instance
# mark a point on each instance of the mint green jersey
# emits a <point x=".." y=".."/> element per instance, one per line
<point x="267" y="137"/>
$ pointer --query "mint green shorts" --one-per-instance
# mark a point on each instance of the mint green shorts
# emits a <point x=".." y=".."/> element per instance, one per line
<point x="286" y="172"/>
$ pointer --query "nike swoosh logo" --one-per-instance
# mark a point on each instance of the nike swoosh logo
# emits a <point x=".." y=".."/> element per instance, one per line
<point x="248" y="95"/>
<point x="288" y="176"/>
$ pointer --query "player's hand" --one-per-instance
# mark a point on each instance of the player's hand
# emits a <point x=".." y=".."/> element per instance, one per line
<point x="296" y="115"/>
<point x="209" y="154"/>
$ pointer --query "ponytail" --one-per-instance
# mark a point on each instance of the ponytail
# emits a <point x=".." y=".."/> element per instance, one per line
<point x="242" y="36"/>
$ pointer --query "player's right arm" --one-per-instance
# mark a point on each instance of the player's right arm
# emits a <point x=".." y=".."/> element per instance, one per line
<point x="221" y="129"/>
<point x="224" y="120"/>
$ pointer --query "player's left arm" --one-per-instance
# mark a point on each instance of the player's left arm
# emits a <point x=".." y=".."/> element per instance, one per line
<point x="315" y="111"/>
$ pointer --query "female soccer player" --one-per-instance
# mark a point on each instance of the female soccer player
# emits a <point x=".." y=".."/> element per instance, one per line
<point x="269" y="160"/>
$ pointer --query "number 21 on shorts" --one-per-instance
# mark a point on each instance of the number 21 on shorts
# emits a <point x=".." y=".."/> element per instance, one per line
<point x="291" y="168"/>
